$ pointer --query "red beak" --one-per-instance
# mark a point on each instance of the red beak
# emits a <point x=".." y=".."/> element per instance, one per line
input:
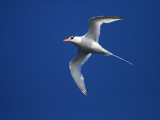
<point x="67" y="40"/>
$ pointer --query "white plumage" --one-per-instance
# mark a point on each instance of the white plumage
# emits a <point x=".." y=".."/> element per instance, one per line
<point x="88" y="44"/>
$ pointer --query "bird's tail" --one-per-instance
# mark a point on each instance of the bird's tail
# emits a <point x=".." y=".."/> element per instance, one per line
<point x="122" y="59"/>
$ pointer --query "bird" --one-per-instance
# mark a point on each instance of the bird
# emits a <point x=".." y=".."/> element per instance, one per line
<point x="88" y="44"/>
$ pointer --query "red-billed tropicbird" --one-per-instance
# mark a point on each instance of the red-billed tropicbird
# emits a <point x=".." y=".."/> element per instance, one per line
<point x="87" y="45"/>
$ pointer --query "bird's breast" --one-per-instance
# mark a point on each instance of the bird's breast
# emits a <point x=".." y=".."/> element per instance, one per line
<point x="89" y="46"/>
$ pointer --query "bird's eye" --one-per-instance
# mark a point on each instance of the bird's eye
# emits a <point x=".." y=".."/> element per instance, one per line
<point x="72" y="37"/>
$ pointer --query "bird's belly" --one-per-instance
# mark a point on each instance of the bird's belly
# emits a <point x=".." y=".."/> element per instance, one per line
<point x="92" y="47"/>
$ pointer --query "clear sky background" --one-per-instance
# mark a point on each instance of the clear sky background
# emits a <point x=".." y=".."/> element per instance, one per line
<point x="35" y="81"/>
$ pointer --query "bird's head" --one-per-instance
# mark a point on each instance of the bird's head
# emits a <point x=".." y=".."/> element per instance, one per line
<point x="70" y="39"/>
<point x="73" y="39"/>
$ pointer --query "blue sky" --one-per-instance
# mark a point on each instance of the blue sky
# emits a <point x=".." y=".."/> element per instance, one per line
<point x="35" y="81"/>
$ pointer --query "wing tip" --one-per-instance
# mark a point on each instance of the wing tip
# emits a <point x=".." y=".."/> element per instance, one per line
<point x="116" y="17"/>
<point x="112" y="17"/>
<point x="84" y="92"/>
<point x="121" y="18"/>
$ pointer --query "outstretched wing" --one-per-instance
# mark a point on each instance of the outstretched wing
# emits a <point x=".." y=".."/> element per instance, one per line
<point x="75" y="68"/>
<point x="95" y="24"/>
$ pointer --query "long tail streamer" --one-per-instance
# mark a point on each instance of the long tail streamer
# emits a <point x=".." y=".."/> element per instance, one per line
<point x="122" y="59"/>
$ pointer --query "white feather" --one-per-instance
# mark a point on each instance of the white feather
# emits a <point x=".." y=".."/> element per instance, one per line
<point x="95" y="25"/>
<point x="75" y="68"/>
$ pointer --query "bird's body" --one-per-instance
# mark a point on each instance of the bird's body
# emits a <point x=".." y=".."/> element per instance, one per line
<point x="87" y="45"/>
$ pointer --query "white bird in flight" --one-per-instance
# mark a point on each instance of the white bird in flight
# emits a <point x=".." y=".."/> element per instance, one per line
<point x="88" y="44"/>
